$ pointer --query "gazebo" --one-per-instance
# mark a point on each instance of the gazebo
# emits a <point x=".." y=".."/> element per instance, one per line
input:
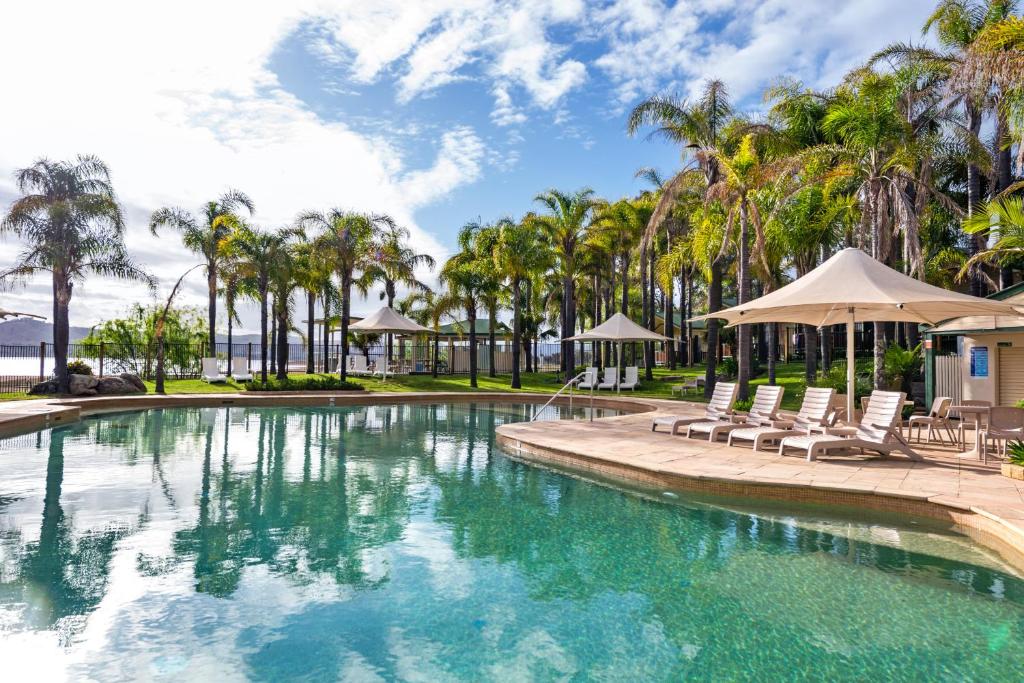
<point x="619" y="329"/>
<point x="387" y="320"/>
<point x="853" y="287"/>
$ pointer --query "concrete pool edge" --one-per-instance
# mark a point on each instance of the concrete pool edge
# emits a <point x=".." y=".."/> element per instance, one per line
<point x="999" y="527"/>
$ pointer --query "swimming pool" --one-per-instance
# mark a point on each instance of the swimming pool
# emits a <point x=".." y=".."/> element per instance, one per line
<point x="397" y="542"/>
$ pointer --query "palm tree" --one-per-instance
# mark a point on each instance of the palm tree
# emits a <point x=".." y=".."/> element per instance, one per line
<point x="467" y="275"/>
<point x="1004" y="220"/>
<point x="697" y="128"/>
<point x="72" y="225"/>
<point x="346" y="240"/>
<point x="312" y="273"/>
<point x="428" y="308"/>
<point x="564" y="227"/>
<point x="519" y="255"/>
<point x="205" y="236"/>
<point x="395" y="263"/>
<point x="254" y="253"/>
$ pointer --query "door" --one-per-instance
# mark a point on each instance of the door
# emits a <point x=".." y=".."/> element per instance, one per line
<point x="1011" y="375"/>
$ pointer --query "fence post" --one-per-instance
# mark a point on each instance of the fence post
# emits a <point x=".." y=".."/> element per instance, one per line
<point x="248" y="363"/>
<point x="42" y="360"/>
<point x="103" y="348"/>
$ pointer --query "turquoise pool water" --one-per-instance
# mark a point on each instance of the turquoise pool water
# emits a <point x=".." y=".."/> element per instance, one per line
<point x="398" y="543"/>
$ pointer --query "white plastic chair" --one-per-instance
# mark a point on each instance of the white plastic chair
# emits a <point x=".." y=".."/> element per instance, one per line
<point x="211" y="373"/>
<point x="240" y="369"/>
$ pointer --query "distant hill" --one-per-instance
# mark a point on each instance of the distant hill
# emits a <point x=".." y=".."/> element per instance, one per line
<point x="27" y="331"/>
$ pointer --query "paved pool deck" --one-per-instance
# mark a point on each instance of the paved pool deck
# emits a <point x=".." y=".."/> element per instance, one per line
<point x="965" y="492"/>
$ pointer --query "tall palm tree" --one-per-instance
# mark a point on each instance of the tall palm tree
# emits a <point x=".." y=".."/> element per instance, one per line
<point x="467" y="275"/>
<point x="428" y="308"/>
<point x="205" y="236"/>
<point x="518" y="256"/>
<point x="395" y="264"/>
<point x="312" y="273"/>
<point x="347" y="239"/>
<point x="697" y="128"/>
<point x="564" y="226"/>
<point x="72" y="225"/>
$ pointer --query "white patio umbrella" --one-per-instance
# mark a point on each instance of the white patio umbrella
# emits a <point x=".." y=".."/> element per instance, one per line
<point x="387" y="320"/>
<point x="618" y="328"/>
<point x="853" y="287"/>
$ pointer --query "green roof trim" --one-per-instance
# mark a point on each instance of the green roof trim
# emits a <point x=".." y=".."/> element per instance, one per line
<point x="1008" y="292"/>
<point x="461" y="328"/>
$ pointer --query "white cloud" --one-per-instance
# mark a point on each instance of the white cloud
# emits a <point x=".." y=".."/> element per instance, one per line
<point x="181" y="109"/>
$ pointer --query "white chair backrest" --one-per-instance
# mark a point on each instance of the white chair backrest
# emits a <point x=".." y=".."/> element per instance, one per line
<point x="940" y="406"/>
<point x="591" y="377"/>
<point x="885" y="408"/>
<point x="359" y="363"/>
<point x="766" y="403"/>
<point x="210" y="367"/>
<point x="816" y="406"/>
<point x="611" y="375"/>
<point x="722" y="399"/>
<point x="632" y="375"/>
<point x="239" y="365"/>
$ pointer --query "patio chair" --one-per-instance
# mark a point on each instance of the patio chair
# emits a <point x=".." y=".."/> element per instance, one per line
<point x="980" y="420"/>
<point x="719" y="408"/>
<point x="632" y="379"/>
<point x="357" y="365"/>
<point x="936" y="420"/>
<point x="240" y="369"/>
<point x="1004" y="424"/>
<point x="816" y="413"/>
<point x="589" y="381"/>
<point x="762" y="412"/>
<point x="694" y="383"/>
<point x="211" y="373"/>
<point x="877" y="431"/>
<point x="611" y="378"/>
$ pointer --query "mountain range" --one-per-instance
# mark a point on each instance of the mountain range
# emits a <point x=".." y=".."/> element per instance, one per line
<point x="29" y="332"/>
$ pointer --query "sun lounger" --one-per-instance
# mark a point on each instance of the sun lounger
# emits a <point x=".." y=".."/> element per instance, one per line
<point x="357" y="365"/>
<point x="589" y="381"/>
<point x="632" y="379"/>
<point x="719" y="408"/>
<point x="763" y="411"/>
<point x="611" y="378"/>
<point x="240" y="369"/>
<point x="815" y="414"/>
<point x="211" y="373"/>
<point x="877" y="431"/>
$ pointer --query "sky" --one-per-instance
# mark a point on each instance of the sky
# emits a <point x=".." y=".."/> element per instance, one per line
<point x="437" y="112"/>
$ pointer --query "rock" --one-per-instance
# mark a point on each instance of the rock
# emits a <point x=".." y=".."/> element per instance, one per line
<point x="44" y="388"/>
<point x="135" y="381"/>
<point x="114" y="385"/>
<point x="83" y="385"/>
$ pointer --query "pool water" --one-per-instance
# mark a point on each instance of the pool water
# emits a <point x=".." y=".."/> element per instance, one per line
<point x="398" y="543"/>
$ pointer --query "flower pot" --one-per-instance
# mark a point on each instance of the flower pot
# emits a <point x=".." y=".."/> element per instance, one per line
<point x="1012" y="471"/>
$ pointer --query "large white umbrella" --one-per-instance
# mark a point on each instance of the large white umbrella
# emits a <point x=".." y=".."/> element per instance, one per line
<point x="853" y="287"/>
<point x="387" y="320"/>
<point x="618" y="328"/>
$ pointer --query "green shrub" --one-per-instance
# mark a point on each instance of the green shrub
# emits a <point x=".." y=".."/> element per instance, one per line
<point x="1015" y="452"/>
<point x="743" y="405"/>
<point x="836" y="379"/>
<point x="79" y="367"/>
<point x="729" y="367"/>
<point x="902" y="366"/>
<point x="324" y="383"/>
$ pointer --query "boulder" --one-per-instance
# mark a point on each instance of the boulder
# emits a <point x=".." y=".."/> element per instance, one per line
<point x="115" y="385"/>
<point x="82" y="385"/>
<point x="44" y="388"/>
<point x="135" y="381"/>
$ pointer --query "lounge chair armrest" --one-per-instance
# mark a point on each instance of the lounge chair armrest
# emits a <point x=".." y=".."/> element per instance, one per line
<point x="840" y="431"/>
<point x="738" y="417"/>
<point x="782" y="424"/>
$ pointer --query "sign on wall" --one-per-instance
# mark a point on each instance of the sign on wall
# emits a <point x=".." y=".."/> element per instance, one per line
<point x="979" y="361"/>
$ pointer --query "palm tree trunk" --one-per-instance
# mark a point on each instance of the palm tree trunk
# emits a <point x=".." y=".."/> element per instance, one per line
<point x="714" y="305"/>
<point x="310" y="332"/>
<point x="670" y="325"/>
<point x="433" y="366"/>
<point x="687" y="307"/>
<point x="649" y="322"/>
<point x="229" y="304"/>
<point x="471" y="318"/>
<point x="492" y="313"/>
<point x="273" y="337"/>
<point x="326" y="333"/>
<point x="978" y="241"/>
<point x="346" y="295"/>
<point x="389" y="288"/>
<point x="810" y="354"/>
<point x="282" y="338"/>
<point x="773" y="333"/>
<point x="743" y="331"/>
<point x="263" y="331"/>
<point x="596" y="283"/>
<point x="570" y="312"/>
<point x="61" y="302"/>
<point x="211" y="285"/>
<point x="529" y="314"/>
<point x="876" y="252"/>
<point x="517" y="332"/>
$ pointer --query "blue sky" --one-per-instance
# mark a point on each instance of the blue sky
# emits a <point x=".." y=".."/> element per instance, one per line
<point x="436" y="112"/>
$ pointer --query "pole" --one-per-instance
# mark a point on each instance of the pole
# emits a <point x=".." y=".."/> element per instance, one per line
<point x="851" y="374"/>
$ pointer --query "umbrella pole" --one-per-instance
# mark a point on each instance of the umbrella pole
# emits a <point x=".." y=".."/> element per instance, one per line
<point x="851" y="375"/>
<point x="618" y="371"/>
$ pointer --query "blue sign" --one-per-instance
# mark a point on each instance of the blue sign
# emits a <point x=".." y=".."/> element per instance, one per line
<point x="979" y="361"/>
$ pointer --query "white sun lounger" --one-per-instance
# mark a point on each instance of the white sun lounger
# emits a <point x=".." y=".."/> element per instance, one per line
<point x="877" y="431"/>
<point x="719" y="409"/>
<point x="611" y="378"/>
<point x="589" y="381"/>
<point x="815" y="414"/>
<point x="764" y="409"/>
<point x="211" y="373"/>
<point x="240" y="369"/>
<point x="632" y="379"/>
<point x="357" y="365"/>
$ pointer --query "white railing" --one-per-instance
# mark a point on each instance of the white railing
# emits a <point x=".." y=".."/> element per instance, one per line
<point x="570" y="384"/>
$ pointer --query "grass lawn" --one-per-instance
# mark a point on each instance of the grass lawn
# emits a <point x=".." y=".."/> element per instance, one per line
<point x="789" y="375"/>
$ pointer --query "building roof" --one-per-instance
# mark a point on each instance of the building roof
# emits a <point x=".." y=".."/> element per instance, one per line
<point x="987" y="323"/>
<point x="461" y="328"/>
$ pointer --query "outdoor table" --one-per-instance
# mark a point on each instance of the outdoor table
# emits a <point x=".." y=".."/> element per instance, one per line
<point x="976" y="412"/>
